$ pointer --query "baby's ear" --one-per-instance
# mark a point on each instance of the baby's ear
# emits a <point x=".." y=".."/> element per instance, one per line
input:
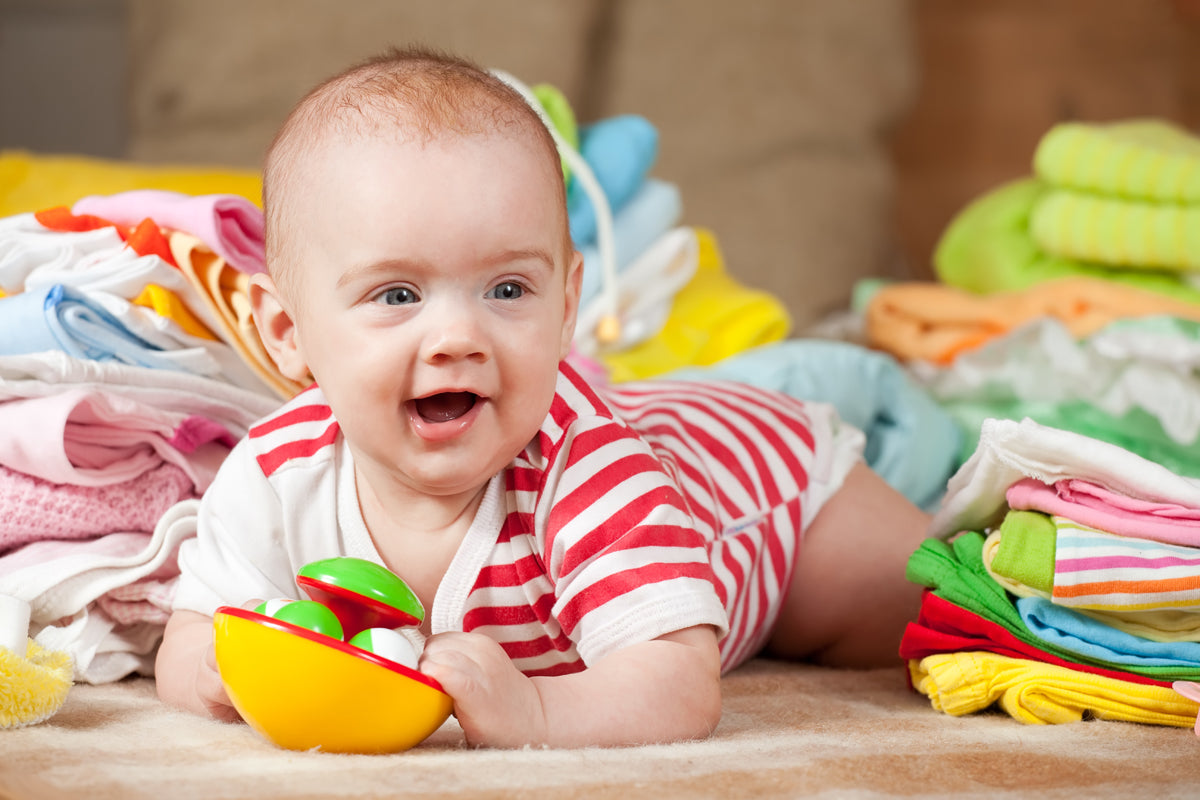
<point x="574" y="287"/>
<point x="276" y="327"/>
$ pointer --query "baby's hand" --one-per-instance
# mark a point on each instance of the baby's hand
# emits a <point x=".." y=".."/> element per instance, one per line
<point x="495" y="704"/>
<point x="211" y="690"/>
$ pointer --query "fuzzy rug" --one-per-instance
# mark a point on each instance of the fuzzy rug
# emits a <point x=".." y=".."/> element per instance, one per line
<point x="787" y="731"/>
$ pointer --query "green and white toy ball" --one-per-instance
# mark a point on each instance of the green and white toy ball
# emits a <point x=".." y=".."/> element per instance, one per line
<point x="389" y="644"/>
<point x="312" y="615"/>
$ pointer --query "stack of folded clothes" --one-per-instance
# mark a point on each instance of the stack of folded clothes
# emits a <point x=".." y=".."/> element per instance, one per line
<point x="1063" y="583"/>
<point x="128" y="369"/>
<point x="1071" y="296"/>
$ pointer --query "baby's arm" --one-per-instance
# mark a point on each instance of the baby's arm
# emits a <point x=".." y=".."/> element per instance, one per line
<point x="664" y="690"/>
<point x="186" y="668"/>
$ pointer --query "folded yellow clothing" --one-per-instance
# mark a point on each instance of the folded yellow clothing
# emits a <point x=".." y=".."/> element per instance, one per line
<point x="1148" y="159"/>
<point x="32" y="182"/>
<point x="713" y="317"/>
<point x="1035" y="692"/>
<point x="1117" y="231"/>
<point x="935" y="322"/>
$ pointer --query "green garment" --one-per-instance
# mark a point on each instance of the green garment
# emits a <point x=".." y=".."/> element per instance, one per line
<point x="955" y="572"/>
<point x="1136" y="430"/>
<point x="988" y="247"/>
<point x="1026" y="551"/>
<point x="561" y="115"/>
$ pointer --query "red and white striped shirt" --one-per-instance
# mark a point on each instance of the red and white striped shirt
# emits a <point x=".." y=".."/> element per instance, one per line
<point x="637" y="510"/>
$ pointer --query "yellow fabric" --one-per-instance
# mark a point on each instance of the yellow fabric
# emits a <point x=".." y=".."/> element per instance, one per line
<point x="167" y="304"/>
<point x="1038" y="693"/>
<point x="225" y="290"/>
<point x="32" y="688"/>
<point x="32" y="182"/>
<point x="712" y="317"/>
<point x="1123" y="194"/>
<point x="936" y="322"/>
<point x="1150" y="159"/>
<point x="1117" y="231"/>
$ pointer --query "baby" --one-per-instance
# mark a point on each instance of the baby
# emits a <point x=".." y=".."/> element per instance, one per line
<point x="592" y="558"/>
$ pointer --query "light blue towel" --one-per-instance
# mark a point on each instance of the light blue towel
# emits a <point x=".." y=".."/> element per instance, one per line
<point x="911" y="443"/>
<point x="65" y="318"/>
<point x="1076" y="633"/>
<point x="620" y="150"/>
<point x="655" y="209"/>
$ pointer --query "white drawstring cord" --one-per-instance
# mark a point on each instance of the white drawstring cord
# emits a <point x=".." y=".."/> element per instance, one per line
<point x="608" y="328"/>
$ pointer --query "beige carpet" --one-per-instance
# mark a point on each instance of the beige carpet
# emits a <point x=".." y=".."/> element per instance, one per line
<point x="787" y="731"/>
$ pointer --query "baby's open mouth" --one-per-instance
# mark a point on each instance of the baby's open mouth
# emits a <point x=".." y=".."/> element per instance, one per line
<point x="445" y="406"/>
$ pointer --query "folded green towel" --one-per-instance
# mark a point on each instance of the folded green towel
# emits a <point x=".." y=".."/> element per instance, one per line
<point x="1025" y="554"/>
<point x="988" y="247"/>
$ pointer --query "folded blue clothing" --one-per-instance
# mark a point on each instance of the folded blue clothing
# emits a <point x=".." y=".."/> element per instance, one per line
<point x="911" y="442"/>
<point x="1077" y="633"/>
<point x="620" y="151"/>
<point x="66" y="319"/>
<point x="653" y="210"/>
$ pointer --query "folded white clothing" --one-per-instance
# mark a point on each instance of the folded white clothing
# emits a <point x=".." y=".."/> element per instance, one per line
<point x="1009" y="451"/>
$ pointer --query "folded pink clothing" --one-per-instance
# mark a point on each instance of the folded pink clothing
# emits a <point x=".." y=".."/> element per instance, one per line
<point x="1093" y="505"/>
<point x="32" y="509"/>
<point x="229" y="224"/>
<point x="96" y="438"/>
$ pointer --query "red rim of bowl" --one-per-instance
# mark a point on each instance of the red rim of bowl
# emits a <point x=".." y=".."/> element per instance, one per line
<point x="397" y="616"/>
<point x="329" y="641"/>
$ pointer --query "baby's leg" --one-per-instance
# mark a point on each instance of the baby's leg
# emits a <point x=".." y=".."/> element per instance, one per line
<point x="848" y="601"/>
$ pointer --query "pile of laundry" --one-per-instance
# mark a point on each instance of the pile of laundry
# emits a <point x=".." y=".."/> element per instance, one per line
<point x="128" y="370"/>
<point x="1063" y="583"/>
<point x="1071" y="296"/>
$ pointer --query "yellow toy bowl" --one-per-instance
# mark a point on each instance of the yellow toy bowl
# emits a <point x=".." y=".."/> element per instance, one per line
<point x="303" y="690"/>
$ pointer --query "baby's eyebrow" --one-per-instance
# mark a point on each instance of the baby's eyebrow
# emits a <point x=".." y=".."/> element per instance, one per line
<point x="360" y="271"/>
<point x="522" y="254"/>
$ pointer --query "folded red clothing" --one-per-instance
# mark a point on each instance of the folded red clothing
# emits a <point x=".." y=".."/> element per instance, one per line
<point x="943" y="627"/>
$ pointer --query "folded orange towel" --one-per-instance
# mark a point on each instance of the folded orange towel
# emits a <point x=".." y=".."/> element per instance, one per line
<point x="935" y="322"/>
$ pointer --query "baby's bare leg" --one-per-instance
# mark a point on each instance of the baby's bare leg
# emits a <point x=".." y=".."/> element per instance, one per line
<point x="848" y="601"/>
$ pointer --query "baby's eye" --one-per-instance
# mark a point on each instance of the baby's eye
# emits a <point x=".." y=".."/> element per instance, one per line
<point x="397" y="296"/>
<point x="507" y="291"/>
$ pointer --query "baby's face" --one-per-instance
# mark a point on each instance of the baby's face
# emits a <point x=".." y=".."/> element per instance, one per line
<point x="435" y="299"/>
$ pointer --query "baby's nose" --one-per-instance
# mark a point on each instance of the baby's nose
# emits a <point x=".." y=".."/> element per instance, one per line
<point x="455" y="334"/>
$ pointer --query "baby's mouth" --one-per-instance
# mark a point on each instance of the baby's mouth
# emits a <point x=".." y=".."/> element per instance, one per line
<point x="445" y="406"/>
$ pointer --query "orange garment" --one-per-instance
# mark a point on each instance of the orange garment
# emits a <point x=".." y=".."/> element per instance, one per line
<point x="936" y="322"/>
<point x="225" y="290"/>
<point x="145" y="238"/>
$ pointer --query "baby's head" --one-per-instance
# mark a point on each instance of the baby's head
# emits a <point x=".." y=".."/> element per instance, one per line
<point x="412" y="95"/>
<point x="420" y="266"/>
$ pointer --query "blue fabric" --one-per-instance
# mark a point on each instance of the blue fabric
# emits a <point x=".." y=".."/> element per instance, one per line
<point x="911" y="442"/>
<point x="1085" y="636"/>
<point x="655" y="209"/>
<point x="64" y="318"/>
<point x="620" y="150"/>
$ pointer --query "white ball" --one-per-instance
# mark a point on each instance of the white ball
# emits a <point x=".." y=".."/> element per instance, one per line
<point x="271" y="607"/>
<point x="389" y="644"/>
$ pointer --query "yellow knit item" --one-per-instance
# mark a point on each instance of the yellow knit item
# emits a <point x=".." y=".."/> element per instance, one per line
<point x="1117" y="231"/>
<point x="1035" y="692"/>
<point x="1149" y="159"/>
<point x="33" y="688"/>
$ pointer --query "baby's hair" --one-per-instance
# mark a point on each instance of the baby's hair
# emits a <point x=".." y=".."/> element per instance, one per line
<point x="411" y="94"/>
